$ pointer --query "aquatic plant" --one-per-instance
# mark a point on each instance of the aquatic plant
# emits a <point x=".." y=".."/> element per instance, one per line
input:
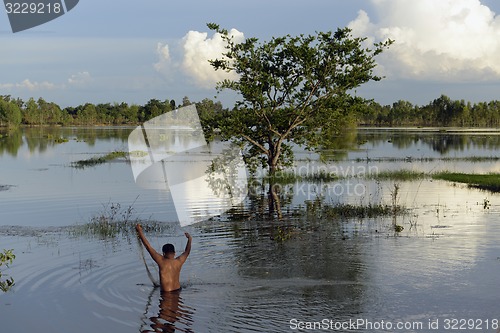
<point x="99" y="159"/>
<point x="317" y="208"/>
<point x="486" y="204"/>
<point x="289" y="177"/>
<point x="398" y="228"/>
<point x="6" y="258"/>
<point x="490" y="182"/>
<point x="57" y="139"/>
<point x="400" y="175"/>
<point x="282" y="234"/>
<point x="112" y="221"/>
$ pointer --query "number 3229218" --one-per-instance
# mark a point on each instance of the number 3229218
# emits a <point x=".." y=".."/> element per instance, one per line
<point x="32" y="8"/>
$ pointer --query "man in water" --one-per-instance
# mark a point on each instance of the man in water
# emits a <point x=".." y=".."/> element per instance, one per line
<point x="169" y="266"/>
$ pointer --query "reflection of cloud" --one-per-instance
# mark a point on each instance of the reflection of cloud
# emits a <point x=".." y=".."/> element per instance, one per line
<point x="197" y="50"/>
<point x="451" y="39"/>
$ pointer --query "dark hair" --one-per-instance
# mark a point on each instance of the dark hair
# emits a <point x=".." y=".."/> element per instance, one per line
<point x="168" y="248"/>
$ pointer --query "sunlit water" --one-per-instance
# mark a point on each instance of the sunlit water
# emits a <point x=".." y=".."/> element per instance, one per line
<point x="239" y="277"/>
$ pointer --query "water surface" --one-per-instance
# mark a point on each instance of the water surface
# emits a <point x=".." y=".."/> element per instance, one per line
<point x="240" y="277"/>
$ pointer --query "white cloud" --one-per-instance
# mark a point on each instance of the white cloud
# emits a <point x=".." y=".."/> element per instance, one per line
<point x="29" y="85"/>
<point x="196" y="50"/>
<point x="164" y="64"/>
<point x="80" y="78"/>
<point x="455" y="40"/>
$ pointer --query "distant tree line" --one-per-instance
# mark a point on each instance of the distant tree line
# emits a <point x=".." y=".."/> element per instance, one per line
<point x="15" y="112"/>
<point x="442" y="111"/>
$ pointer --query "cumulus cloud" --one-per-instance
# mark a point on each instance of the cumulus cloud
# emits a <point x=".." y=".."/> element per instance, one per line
<point x="29" y="85"/>
<point x="443" y="40"/>
<point x="164" y="63"/>
<point x="80" y="78"/>
<point x="199" y="49"/>
<point x="196" y="49"/>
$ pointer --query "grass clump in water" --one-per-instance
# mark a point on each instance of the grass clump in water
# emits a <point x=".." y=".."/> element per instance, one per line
<point x="400" y="175"/>
<point x="289" y="177"/>
<point x="490" y="182"/>
<point x="114" y="221"/>
<point x="316" y="208"/>
<point x="93" y="161"/>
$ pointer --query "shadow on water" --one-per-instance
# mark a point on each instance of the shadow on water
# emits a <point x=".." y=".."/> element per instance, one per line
<point x="172" y="316"/>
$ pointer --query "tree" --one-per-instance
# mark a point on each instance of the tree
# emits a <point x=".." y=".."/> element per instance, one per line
<point x="293" y="89"/>
<point x="88" y="115"/>
<point x="31" y="112"/>
<point x="10" y="113"/>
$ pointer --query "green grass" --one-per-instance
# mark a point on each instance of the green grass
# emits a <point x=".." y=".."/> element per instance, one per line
<point x="93" y="161"/>
<point x="318" y="209"/>
<point x="289" y="177"/>
<point x="115" y="221"/>
<point x="490" y="182"/>
<point x="401" y="175"/>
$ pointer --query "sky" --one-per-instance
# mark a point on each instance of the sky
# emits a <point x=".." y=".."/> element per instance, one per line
<point x="132" y="51"/>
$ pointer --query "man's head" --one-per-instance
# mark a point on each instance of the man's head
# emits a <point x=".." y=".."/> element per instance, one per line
<point x="168" y="249"/>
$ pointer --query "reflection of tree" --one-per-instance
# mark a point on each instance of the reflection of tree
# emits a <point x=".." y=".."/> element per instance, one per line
<point x="445" y="143"/>
<point x="11" y="142"/>
<point x="439" y="142"/>
<point x="316" y="264"/>
<point x="224" y="173"/>
<point x="341" y="142"/>
<point x="39" y="139"/>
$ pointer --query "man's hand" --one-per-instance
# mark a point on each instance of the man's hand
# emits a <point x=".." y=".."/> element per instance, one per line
<point x="188" y="236"/>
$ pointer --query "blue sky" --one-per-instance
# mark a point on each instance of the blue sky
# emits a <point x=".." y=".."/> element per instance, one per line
<point x="132" y="51"/>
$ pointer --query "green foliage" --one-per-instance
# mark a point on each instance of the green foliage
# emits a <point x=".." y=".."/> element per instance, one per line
<point x="442" y="111"/>
<point x="10" y="112"/>
<point x="6" y="258"/>
<point x="295" y="90"/>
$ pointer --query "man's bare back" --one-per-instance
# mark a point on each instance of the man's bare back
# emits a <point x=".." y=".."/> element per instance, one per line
<point x="169" y="266"/>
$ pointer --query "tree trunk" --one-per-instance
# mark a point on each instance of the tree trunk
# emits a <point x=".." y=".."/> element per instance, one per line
<point x="274" y="202"/>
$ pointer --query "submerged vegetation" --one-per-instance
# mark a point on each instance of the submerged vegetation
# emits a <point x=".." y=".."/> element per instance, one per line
<point x="99" y="159"/>
<point x="490" y="182"/>
<point x="288" y="177"/>
<point x="398" y="175"/>
<point x="113" y="221"/>
<point x="6" y="258"/>
<point x="349" y="211"/>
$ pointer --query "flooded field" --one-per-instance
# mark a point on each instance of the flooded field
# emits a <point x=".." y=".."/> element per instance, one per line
<point x="248" y="272"/>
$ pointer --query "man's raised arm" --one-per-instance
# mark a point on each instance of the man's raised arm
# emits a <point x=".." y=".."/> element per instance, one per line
<point x="152" y="252"/>
<point x="187" y="250"/>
